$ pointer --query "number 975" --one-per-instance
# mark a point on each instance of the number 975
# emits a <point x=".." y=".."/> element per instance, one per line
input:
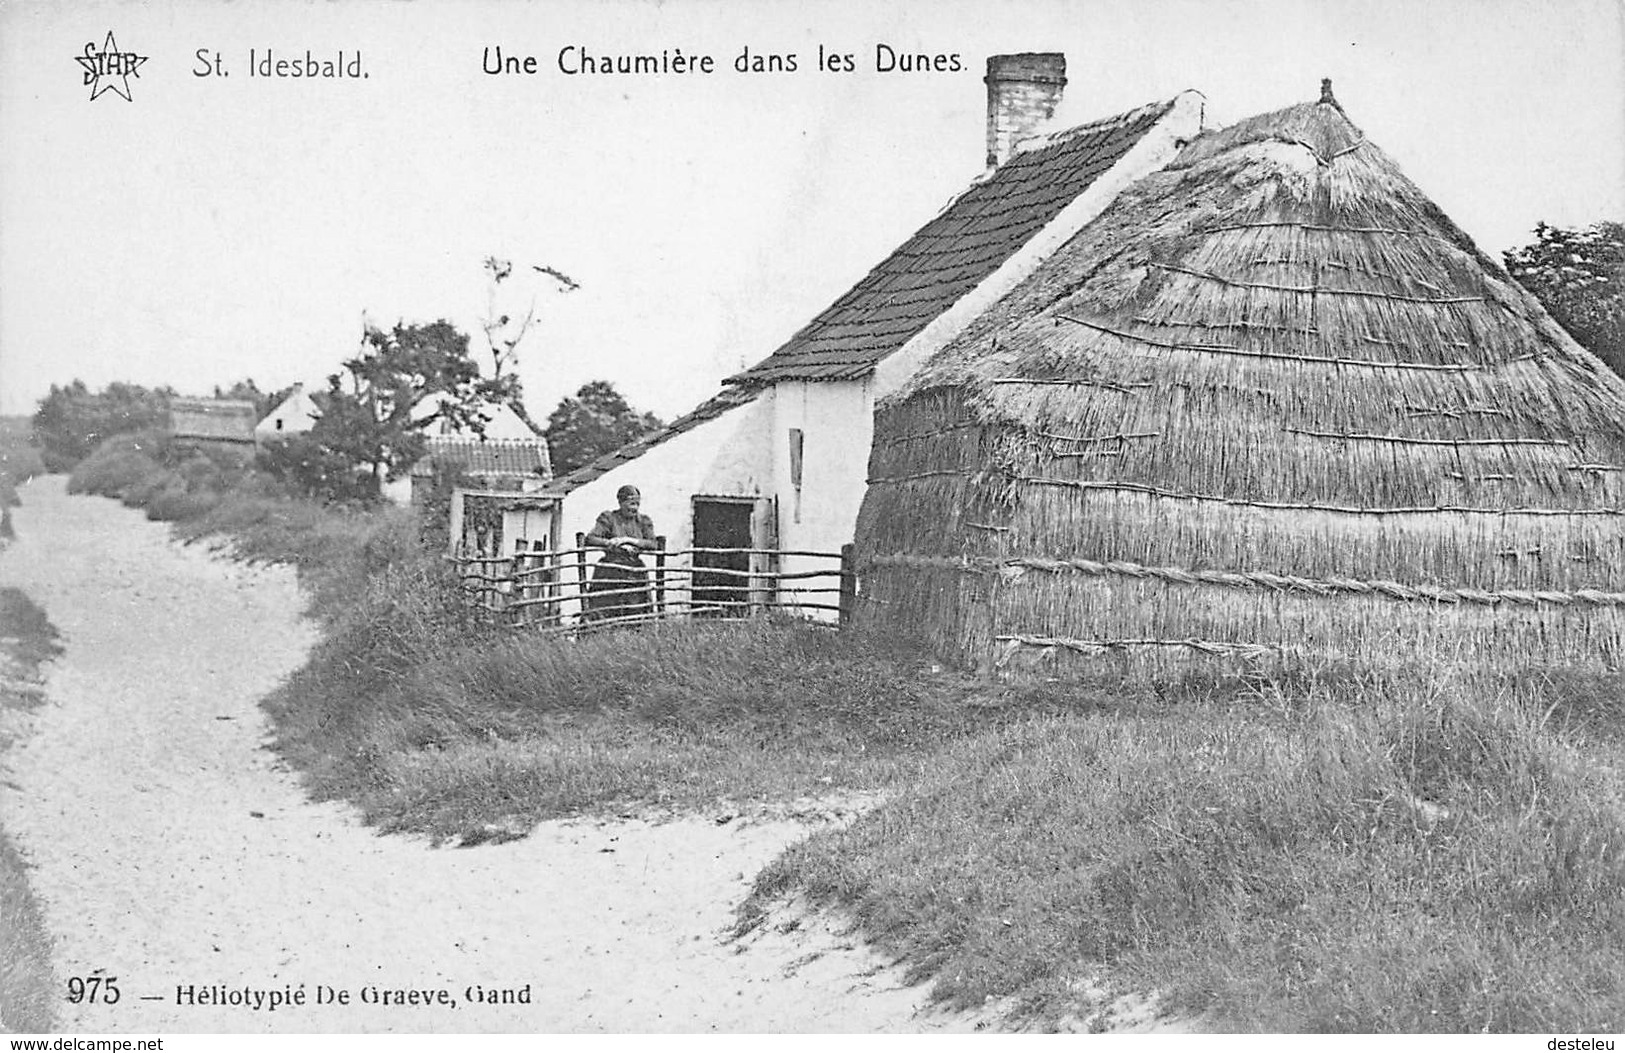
<point x="103" y="989"/>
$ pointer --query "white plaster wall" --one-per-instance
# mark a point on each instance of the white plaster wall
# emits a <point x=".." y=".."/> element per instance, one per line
<point x="746" y="453"/>
<point x="727" y="456"/>
<point x="837" y="422"/>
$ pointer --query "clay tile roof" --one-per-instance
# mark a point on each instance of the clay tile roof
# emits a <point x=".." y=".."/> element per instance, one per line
<point x="487" y="456"/>
<point x="952" y="254"/>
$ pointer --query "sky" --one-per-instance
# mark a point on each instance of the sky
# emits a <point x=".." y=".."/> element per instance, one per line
<point x="215" y="227"/>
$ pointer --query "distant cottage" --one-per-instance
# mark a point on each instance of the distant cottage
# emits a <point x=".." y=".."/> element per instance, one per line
<point x="294" y="415"/>
<point x="448" y="445"/>
<point x="516" y="465"/>
<point x="497" y="505"/>
<point x="778" y="458"/>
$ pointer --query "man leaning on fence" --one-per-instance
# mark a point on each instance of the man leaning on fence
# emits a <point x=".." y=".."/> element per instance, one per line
<point x="619" y="587"/>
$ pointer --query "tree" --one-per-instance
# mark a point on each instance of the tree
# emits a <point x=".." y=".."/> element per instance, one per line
<point x="414" y="376"/>
<point x="1579" y="276"/>
<point x="72" y="420"/>
<point x="509" y="315"/>
<point x="594" y="422"/>
<point x="302" y="464"/>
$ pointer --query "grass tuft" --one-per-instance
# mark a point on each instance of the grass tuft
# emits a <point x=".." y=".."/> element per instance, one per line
<point x="433" y="726"/>
<point x="1408" y="855"/>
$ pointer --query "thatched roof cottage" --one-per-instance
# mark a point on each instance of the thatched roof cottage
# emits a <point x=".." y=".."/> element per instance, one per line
<point x="778" y="458"/>
<point x="1270" y="401"/>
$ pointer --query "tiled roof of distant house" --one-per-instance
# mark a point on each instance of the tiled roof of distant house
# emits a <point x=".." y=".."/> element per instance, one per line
<point x="952" y="254"/>
<point x="486" y="456"/>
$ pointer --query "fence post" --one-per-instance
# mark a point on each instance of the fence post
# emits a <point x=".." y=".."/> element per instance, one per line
<point x="504" y="596"/>
<point x="533" y="584"/>
<point x="660" y="576"/>
<point x="849" y="585"/>
<point x="543" y="581"/>
<point x="521" y="584"/>
<point x="581" y="576"/>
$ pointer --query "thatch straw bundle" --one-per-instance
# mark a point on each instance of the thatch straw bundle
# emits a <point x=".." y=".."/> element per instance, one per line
<point x="1272" y="401"/>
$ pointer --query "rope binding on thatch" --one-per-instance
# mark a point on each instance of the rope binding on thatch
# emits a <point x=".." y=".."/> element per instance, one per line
<point x="1014" y="641"/>
<point x="1454" y="414"/>
<point x="1289" y="506"/>
<point x="1461" y="345"/>
<point x="1316" y="290"/>
<point x="1324" y="228"/>
<point x="1208" y="323"/>
<point x="1118" y="437"/>
<point x="1126" y="389"/>
<point x="896" y="440"/>
<point x="1365" y="437"/>
<point x="1140" y="488"/>
<point x="933" y="474"/>
<point x="1097" y="443"/>
<point x="1059" y="318"/>
<point x="1012" y="568"/>
<point x="1230" y="349"/>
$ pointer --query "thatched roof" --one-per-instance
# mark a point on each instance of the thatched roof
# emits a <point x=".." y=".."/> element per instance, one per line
<point x="216" y="420"/>
<point x="1271" y="399"/>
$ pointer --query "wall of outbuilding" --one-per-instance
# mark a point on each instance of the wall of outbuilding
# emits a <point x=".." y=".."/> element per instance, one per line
<point x="727" y="456"/>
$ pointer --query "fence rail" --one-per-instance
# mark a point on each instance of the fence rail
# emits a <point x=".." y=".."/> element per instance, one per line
<point x="564" y="590"/>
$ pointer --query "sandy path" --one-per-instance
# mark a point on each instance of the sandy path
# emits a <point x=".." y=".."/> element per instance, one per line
<point x="173" y="851"/>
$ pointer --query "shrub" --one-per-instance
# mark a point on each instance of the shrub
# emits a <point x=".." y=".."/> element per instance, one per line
<point x="72" y="420"/>
<point x="174" y="502"/>
<point x="307" y="468"/>
<point x="123" y="467"/>
<point x="19" y="460"/>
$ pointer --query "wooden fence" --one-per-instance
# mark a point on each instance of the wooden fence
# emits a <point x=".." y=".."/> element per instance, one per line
<point x="565" y="591"/>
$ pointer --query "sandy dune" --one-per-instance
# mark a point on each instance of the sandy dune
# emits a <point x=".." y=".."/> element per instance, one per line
<point x="174" y="852"/>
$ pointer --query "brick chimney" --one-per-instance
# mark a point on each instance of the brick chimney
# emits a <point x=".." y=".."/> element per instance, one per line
<point x="1022" y="93"/>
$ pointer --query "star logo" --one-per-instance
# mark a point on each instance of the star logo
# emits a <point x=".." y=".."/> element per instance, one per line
<point x="109" y="69"/>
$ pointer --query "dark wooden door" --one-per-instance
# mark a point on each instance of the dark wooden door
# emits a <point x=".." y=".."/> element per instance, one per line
<point x="722" y="525"/>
